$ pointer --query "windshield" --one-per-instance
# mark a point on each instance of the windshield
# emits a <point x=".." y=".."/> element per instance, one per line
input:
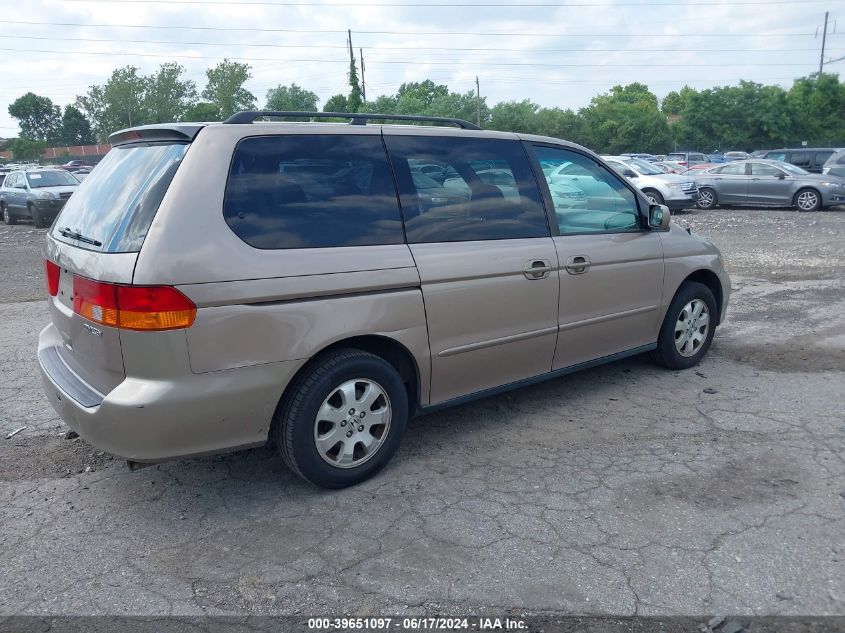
<point x="116" y="204"/>
<point x="644" y="167"/>
<point x="52" y="178"/>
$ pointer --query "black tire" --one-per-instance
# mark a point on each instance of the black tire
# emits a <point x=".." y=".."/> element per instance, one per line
<point x="667" y="353"/>
<point x="711" y="199"/>
<point x="295" y="419"/>
<point x="808" y="192"/>
<point x="654" y="196"/>
<point x="37" y="219"/>
<point x="8" y="217"/>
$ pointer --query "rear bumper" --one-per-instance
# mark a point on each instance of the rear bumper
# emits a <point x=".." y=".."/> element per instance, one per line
<point x="149" y="420"/>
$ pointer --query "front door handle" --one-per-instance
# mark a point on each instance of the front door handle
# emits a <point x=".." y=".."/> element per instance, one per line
<point x="537" y="269"/>
<point x="577" y="264"/>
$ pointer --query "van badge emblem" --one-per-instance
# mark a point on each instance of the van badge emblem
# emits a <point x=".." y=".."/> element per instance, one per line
<point x="92" y="330"/>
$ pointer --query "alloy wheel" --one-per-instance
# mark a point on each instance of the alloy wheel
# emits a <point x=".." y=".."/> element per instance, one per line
<point x="807" y="200"/>
<point x="691" y="328"/>
<point x="705" y="199"/>
<point x="352" y="423"/>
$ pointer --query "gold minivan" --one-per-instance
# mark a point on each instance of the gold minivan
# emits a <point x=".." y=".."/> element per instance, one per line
<point x="216" y="286"/>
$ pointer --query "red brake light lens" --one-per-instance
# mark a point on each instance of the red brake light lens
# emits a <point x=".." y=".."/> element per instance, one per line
<point x="151" y="308"/>
<point x="51" y="277"/>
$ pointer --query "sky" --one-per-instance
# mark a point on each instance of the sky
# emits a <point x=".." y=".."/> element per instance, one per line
<point x="554" y="52"/>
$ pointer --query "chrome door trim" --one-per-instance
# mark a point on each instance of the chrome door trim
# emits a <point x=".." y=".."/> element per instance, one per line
<point x="606" y="317"/>
<point x="512" y="338"/>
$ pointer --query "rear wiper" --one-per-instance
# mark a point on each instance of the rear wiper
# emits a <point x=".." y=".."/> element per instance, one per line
<point x="68" y="232"/>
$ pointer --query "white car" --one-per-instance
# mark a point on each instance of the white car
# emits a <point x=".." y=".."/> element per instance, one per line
<point x="673" y="190"/>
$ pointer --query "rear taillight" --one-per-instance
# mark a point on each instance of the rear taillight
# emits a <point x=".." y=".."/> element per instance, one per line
<point x="132" y="307"/>
<point x="51" y="277"/>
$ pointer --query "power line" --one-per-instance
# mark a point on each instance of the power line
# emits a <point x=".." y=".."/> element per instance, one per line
<point x="390" y="61"/>
<point x="418" y="48"/>
<point x="407" y="33"/>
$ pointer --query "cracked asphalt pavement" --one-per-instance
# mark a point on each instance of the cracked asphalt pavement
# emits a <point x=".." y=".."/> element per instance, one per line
<point x="626" y="489"/>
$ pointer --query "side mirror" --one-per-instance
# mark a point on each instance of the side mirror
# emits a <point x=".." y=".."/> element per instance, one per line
<point x="629" y="173"/>
<point x="781" y="175"/>
<point x="659" y="216"/>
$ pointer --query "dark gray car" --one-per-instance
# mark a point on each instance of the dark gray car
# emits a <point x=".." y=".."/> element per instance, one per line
<point x="835" y="165"/>
<point x="38" y="194"/>
<point x="769" y="183"/>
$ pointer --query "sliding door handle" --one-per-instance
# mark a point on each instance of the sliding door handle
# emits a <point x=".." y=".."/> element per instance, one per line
<point x="537" y="269"/>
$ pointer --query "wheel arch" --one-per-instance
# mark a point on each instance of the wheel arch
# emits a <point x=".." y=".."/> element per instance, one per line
<point x="386" y="348"/>
<point x="711" y="280"/>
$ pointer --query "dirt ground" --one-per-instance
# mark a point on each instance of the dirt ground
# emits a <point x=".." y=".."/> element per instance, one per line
<point x="625" y="489"/>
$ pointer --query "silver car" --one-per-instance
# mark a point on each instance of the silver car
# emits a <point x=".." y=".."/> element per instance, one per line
<point x="216" y="286"/>
<point x="768" y="183"/>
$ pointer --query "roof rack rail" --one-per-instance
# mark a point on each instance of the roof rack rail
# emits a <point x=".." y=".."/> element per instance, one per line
<point x="355" y="118"/>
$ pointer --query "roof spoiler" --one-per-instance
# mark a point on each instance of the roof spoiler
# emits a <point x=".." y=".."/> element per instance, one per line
<point x="355" y="118"/>
<point x="180" y="132"/>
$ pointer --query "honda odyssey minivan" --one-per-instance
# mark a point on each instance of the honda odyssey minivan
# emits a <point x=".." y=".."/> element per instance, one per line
<point x="218" y="286"/>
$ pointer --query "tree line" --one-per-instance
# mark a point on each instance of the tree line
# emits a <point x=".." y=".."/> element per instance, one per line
<point x="626" y="118"/>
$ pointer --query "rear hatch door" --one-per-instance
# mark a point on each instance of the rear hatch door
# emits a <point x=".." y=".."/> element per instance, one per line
<point x="97" y="237"/>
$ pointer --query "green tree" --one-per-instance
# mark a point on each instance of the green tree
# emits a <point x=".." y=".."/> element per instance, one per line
<point x="225" y="88"/>
<point x="337" y="103"/>
<point x="39" y="118"/>
<point x="515" y="116"/>
<point x="203" y="112"/>
<point x="26" y="148"/>
<point x="557" y="123"/>
<point x="817" y="105"/>
<point x="76" y="130"/>
<point x="168" y="96"/>
<point x="627" y="117"/>
<point x="355" y="99"/>
<point x="292" y="99"/>
<point x="119" y="103"/>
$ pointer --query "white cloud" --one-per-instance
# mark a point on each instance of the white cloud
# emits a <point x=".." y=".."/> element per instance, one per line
<point x="564" y="57"/>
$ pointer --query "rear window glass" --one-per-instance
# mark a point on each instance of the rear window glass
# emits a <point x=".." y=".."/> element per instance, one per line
<point x="115" y="205"/>
<point x="312" y="191"/>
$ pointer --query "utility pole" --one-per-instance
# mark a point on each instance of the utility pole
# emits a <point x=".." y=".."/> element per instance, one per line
<point x="363" y="82"/>
<point x="824" y="40"/>
<point x="349" y="44"/>
<point x="477" y="102"/>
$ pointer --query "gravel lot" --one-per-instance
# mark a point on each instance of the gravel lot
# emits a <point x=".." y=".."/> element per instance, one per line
<point x="622" y="490"/>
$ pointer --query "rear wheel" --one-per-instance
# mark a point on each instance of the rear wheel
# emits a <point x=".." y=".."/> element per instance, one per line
<point x="688" y="327"/>
<point x="342" y="421"/>
<point x="654" y="196"/>
<point x="8" y="217"/>
<point x="808" y="200"/>
<point x="707" y="198"/>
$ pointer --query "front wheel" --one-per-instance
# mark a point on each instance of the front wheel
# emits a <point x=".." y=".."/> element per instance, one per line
<point x="342" y="421"/>
<point x="808" y="200"/>
<point x="688" y="327"/>
<point x="37" y="218"/>
<point x="654" y="196"/>
<point x="707" y="198"/>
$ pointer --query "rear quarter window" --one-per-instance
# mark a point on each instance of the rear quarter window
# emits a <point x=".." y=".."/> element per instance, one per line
<point x="312" y="191"/>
